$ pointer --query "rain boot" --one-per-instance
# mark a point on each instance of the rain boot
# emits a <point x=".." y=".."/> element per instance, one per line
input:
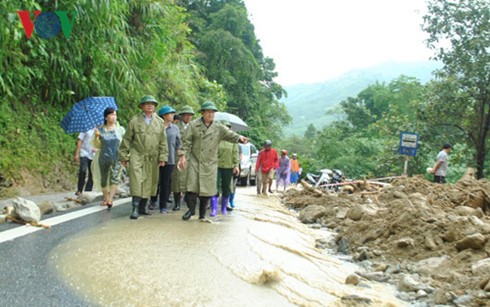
<point x="191" y="204"/>
<point x="136" y="202"/>
<point x="177" y="202"/>
<point x="224" y="204"/>
<point x="142" y="207"/>
<point x="203" y="206"/>
<point x="232" y="202"/>
<point x="214" y="206"/>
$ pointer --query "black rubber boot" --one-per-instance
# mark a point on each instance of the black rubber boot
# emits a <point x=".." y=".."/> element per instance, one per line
<point x="136" y="201"/>
<point x="177" y="202"/>
<point x="142" y="207"/>
<point x="203" y="206"/>
<point x="191" y="204"/>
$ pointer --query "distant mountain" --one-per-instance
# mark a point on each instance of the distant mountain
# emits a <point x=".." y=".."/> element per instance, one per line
<point x="309" y="103"/>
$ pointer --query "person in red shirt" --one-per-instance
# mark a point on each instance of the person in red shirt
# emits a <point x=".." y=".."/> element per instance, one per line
<point x="268" y="162"/>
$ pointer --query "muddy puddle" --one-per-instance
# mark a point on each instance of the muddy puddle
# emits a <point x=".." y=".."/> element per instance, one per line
<point x="258" y="255"/>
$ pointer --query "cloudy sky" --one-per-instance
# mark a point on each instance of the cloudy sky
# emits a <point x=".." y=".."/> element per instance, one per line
<point x="315" y="40"/>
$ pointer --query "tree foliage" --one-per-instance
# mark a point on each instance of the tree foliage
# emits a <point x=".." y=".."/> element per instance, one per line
<point x="460" y="96"/>
<point x="182" y="52"/>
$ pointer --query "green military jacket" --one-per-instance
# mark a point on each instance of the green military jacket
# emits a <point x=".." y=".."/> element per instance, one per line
<point x="201" y="143"/>
<point x="144" y="146"/>
<point x="179" y="177"/>
<point x="228" y="155"/>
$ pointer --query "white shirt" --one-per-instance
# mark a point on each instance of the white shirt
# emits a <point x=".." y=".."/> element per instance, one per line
<point x="442" y="170"/>
<point x="86" y="150"/>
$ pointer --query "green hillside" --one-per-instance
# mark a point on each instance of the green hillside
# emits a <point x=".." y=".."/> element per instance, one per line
<point x="309" y="103"/>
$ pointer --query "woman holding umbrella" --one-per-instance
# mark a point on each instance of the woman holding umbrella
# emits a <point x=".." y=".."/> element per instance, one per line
<point x="107" y="168"/>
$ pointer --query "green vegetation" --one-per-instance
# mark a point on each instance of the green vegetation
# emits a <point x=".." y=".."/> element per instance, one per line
<point x="182" y="52"/>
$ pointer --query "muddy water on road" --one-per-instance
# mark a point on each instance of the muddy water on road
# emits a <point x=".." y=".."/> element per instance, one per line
<point x="258" y="255"/>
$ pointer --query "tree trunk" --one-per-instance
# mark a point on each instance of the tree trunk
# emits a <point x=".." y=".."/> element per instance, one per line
<point x="481" y="147"/>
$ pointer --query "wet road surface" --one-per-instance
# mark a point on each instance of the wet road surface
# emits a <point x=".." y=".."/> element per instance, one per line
<point x="258" y="255"/>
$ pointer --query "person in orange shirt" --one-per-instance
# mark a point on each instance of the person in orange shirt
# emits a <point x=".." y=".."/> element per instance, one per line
<point x="294" y="169"/>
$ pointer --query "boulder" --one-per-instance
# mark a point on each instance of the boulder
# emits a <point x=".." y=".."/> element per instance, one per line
<point x="481" y="267"/>
<point x="311" y="213"/>
<point x="405" y="242"/>
<point x="475" y="241"/>
<point x="46" y="207"/>
<point x="352" y="279"/>
<point x="355" y="213"/>
<point x="27" y="210"/>
<point x="468" y="211"/>
<point x="409" y="284"/>
<point x="427" y="266"/>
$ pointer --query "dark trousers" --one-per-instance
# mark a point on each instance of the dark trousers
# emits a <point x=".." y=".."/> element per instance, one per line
<point x="192" y="202"/>
<point x="439" y="179"/>
<point x="85" y="164"/>
<point x="225" y="176"/>
<point x="164" y="185"/>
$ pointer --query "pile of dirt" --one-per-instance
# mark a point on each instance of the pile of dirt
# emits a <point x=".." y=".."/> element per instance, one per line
<point x="431" y="240"/>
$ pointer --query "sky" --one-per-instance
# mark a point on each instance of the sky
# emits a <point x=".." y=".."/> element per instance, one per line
<point x="316" y="40"/>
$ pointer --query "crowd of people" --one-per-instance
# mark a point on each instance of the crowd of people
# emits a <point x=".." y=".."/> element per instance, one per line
<point x="167" y="152"/>
<point x="163" y="152"/>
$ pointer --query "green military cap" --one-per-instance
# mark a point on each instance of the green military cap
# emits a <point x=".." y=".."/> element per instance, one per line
<point x="148" y="98"/>
<point x="186" y="110"/>
<point x="208" y="105"/>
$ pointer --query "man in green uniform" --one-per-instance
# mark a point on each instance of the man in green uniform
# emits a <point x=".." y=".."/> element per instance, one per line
<point x="201" y="142"/>
<point x="144" y="148"/>
<point x="179" y="176"/>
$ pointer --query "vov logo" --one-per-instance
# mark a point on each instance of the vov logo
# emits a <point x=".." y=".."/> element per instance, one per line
<point x="47" y="24"/>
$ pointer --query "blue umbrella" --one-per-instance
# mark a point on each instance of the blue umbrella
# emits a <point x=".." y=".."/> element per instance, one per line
<point x="87" y="114"/>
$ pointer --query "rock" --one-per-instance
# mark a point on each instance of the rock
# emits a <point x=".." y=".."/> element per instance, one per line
<point x="485" y="283"/>
<point x="315" y="226"/>
<point x="393" y="269"/>
<point x="353" y="299"/>
<point x="387" y="187"/>
<point x="427" y="266"/>
<point x="311" y="213"/>
<point x="405" y="242"/>
<point x="463" y="300"/>
<point x="441" y="297"/>
<point x="451" y="235"/>
<point x="430" y="244"/>
<point x="342" y="213"/>
<point x="380" y="267"/>
<point x="46" y="207"/>
<point x="90" y="197"/>
<point x="343" y="246"/>
<point x="27" y="210"/>
<point x="355" y="213"/>
<point x="398" y="194"/>
<point x="376" y="276"/>
<point x="475" y="241"/>
<point x="353" y="279"/>
<point x="409" y="284"/>
<point x="421" y="293"/>
<point x="467" y="211"/>
<point x="487" y="287"/>
<point x="481" y="267"/>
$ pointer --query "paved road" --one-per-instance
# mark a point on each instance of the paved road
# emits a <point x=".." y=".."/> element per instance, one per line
<point x="25" y="277"/>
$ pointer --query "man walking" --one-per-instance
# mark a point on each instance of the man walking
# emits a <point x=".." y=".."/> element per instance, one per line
<point x="440" y="168"/>
<point x="84" y="153"/>
<point x="268" y="161"/>
<point x="179" y="176"/>
<point x="201" y="141"/>
<point x="144" y="148"/>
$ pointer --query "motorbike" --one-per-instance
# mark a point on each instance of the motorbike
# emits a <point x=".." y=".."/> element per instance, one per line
<point x="326" y="176"/>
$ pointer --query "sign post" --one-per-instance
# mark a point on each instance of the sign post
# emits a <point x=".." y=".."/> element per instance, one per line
<point x="408" y="147"/>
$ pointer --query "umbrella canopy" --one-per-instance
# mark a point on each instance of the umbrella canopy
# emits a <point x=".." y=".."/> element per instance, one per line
<point x="237" y="124"/>
<point x="87" y="114"/>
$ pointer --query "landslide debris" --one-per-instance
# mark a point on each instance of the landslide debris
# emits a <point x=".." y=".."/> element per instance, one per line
<point x="431" y="240"/>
